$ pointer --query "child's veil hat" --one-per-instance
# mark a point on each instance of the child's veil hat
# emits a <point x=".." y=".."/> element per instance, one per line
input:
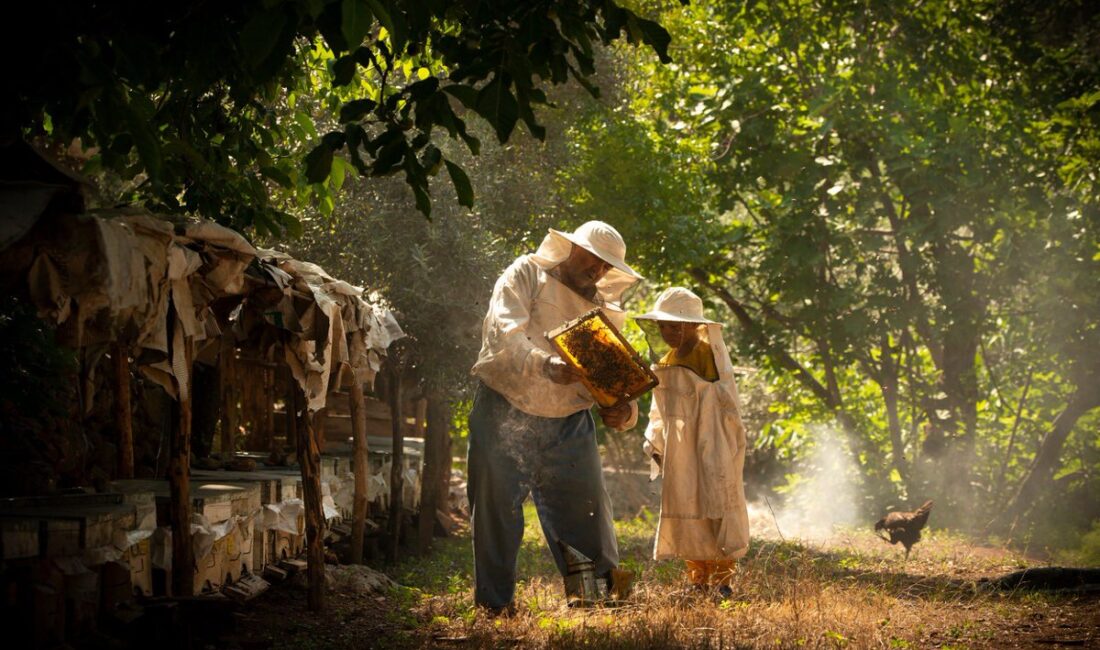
<point x="677" y="304"/>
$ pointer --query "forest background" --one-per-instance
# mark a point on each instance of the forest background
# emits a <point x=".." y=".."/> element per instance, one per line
<point x="893" y="207"/>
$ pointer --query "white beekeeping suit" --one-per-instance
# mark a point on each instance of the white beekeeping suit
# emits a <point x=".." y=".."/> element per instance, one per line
<point x="527" y="302"/>
<point x="695" y="427"/>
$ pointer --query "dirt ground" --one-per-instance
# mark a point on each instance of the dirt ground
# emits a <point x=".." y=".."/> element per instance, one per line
<point x="849" y="590"/>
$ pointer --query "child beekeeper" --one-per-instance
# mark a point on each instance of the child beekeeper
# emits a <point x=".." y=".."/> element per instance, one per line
<point x="697" y="442"/>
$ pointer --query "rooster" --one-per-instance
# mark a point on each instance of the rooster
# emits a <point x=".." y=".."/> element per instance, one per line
<point x="904" y="527"/>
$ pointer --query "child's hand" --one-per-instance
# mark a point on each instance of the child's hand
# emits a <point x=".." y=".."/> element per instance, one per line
<point x="616" y="416"/>
<point x="560" y="372"/>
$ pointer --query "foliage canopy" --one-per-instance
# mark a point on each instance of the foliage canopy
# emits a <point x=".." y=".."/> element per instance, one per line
<point x="197" y="100"/>
<point x="897" y="205"/>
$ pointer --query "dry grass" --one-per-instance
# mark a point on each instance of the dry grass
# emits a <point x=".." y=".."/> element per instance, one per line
<point x="849" y="591"/>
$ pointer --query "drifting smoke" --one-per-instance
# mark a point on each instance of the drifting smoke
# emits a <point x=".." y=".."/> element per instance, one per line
<point x="824" y="497"/>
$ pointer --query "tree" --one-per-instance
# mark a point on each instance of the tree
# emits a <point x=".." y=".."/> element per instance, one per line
<point x="881" y="183"/>
<point x="196" y="101"/>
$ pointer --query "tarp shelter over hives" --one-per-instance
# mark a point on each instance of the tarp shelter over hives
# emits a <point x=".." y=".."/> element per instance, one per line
<point x="170" y="292"/>
<point x="133" y="278"/>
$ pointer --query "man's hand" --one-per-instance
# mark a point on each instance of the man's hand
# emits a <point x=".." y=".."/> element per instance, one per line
<point x="615" y="417"/>
<point x="560" y="372"/>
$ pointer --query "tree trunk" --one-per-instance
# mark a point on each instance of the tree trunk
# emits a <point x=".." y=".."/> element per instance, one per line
<point x="309" y="460"/>
<point x="122" y="411"/>
<point x="397" y="461"/>
<point x="955" y="282"/>
<point x="437" y="466"/>
<point x="1042" y="469"/>
<point x="857" y="444"/>
<point x="179" y="478"/>
<point x="889" y="385"/>
<point x="1015" y="427"/>
<point x="358" y="408"/>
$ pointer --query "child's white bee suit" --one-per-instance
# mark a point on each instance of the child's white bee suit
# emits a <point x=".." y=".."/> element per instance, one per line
<point x="695" y="426"/>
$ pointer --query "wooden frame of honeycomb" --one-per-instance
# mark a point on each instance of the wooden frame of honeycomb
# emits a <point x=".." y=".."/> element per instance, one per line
<point x="612" y="371"/>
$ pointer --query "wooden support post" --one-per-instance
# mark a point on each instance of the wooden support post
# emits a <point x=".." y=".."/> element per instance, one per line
<point x="309" y="459"/>
<point x="358" y="409"/>
<point x="397" y="462"/>
<point x="320" y="419"/>
<point x="179" y="485"/>
<point x="227" y="358"/>
<point x="122" y="411"/>
<point x="437" y="468"/>
<point x="422" y="417"/>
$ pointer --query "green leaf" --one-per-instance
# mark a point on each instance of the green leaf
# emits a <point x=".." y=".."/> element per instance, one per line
<point x="422" y="89"/>
<point x="389" y="157"/>
<point x="260" y="34"/>
<point x="431" y="159"/>
<point x="386" y="18"/>
<point x="334" y="139"/>
<point x="305" y="122"/>
<point x="356" y="21"/>
<point x="497" y="105"/>
<point x="293" y="226"/>
<point x="462" y="184"/>
<point x="463" y="93"/>
<point x="145" y="140"/>
<point x="472" y="143"/>
<point x="340" y="169"/>
<point x="354" y="110"/>
<point x="343" y="70"/>
<point x="656" y="37"/>
<point x="423" y="201"/>
<point x="318" y="163"/>
<point x="277" y="175"/>
<point x="383" y="139"/>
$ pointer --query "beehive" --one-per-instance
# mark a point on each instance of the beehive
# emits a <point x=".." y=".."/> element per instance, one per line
<point x="611" y="369"/>
<point x="227" y="559"/>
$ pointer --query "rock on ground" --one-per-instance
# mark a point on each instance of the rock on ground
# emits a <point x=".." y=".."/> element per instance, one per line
<point x="350" y="578"/>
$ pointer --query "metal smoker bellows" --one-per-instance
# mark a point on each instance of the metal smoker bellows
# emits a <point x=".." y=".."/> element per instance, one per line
<point x="582" y="587"/>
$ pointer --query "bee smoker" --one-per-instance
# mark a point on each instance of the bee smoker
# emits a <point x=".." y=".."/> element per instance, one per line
<point x="582" y="587"/>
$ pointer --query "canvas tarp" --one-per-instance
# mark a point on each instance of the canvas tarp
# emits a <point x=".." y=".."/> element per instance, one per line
<point x="147" y="282"/>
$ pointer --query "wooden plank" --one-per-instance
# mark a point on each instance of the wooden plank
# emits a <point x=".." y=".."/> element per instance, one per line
<point x="179" y="486"/>
<point x="122" y="411"/>
<point x="357" y="406"/>
<point x="397" y="460"/>
<point x="309" y="459"/>
<point x="320" y="420"/>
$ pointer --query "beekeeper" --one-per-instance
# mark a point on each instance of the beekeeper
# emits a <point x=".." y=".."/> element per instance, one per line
<point x="531" y="429"/>
<point x="697" y="441"/>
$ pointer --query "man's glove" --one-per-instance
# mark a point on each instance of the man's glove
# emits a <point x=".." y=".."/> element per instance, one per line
<point x="616" y="416"/>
